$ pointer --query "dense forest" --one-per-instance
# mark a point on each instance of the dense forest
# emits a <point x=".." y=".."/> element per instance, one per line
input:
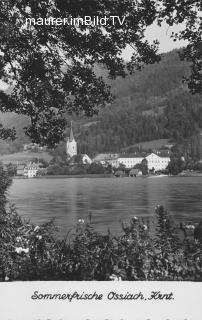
<point x="151" y="104"/>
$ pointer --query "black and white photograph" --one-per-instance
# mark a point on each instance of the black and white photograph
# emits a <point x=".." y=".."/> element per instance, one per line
<point x="101" y="145"/>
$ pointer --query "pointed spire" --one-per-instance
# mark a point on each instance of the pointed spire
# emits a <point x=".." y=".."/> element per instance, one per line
<point x="71" y="137"/>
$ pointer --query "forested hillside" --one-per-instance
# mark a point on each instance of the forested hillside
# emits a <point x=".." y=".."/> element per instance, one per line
<point x="19" y="122"/>
<point x="150" y="104"/>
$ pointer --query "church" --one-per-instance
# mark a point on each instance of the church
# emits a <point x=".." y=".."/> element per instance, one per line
<point x="71" y="149"/>
<point x="72" y="152"/>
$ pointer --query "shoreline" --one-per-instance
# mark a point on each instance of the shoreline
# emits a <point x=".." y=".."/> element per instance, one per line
<point x="68" y="176"/>
<point x="191" y="175"/>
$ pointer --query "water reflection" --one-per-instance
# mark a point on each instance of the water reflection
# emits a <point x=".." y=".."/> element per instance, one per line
<point x="110" y="200"/>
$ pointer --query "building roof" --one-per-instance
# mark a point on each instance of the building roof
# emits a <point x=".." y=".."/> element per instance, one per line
<point x="119" y="172"/>
<point x="164" y="156"/>
<point x="32" y="166"/>
<point x="158" y="155"/>
<point x="134" y="171"/>
<point x="20" y="167"/>
<point x="105" y="156"/>
<point x="111" y="156"/>
<point x="130" y="155"/>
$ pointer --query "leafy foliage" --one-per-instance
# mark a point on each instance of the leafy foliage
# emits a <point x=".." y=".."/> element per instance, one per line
<point x="175" y="166"/>
<point x="5" y="182"/>
<point x="188" y="12"/>
<point x="52" y="69"/>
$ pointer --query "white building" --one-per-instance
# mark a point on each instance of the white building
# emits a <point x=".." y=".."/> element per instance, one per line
<point x="130" y="161"/>
<point x="157" y="162"/>
<point x="34" y="146"/>
<point x="71" y="149"/>
<point x="31" y="170"/>
<point x="86" y="159"/>
<point x="154" y="162"/>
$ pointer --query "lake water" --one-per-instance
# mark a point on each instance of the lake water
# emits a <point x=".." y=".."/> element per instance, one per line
<point x="111" y="200"/>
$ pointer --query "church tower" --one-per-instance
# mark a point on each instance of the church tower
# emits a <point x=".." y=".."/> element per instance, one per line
<point x="71" y="144"/>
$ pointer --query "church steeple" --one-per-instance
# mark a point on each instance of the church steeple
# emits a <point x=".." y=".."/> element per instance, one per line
<point x="71" y="137"/>
<point x="71" y="144"/>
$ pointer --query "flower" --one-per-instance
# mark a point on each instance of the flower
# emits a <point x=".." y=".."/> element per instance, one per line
<point x="134" y="219"/>
<point x="18" y="239"/>
<point x="19" y="250"/>
<point x="6" y="278"/>
<point x="190" y="227"/>
<point x="114" y="277"/>
<point x="39" y="237"/>
<point x="145" y="227"/>
<point x="36" y="228"/>
<point x="81" y="221"/>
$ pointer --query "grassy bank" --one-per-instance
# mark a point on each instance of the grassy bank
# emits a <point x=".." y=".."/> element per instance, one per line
<point x="24" y="156"/>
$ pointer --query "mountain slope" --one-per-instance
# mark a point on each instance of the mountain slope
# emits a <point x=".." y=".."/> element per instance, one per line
<point x="151" y="104"/>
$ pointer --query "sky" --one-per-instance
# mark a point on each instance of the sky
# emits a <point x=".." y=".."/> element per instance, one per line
<point x="152" y="33"/>
<point x="162" y="34"/>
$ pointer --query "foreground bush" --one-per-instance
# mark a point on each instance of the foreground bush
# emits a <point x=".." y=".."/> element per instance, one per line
<point x="159" y="250"/>
<point x="29" y="252"/>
